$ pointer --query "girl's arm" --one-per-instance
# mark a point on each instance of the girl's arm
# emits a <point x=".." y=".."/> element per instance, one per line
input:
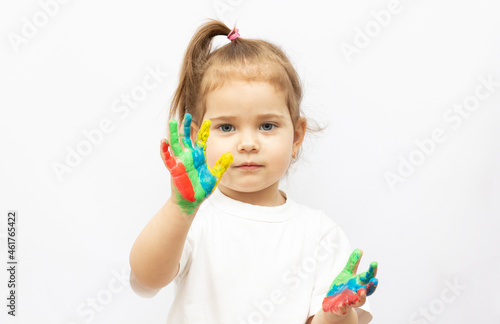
<point x="155" y="255"/>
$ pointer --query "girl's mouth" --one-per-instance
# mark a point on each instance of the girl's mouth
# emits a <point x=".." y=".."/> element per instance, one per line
<point x="249" y="166"/>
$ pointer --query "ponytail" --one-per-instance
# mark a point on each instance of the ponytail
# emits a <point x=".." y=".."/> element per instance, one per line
<point x="197" y="53"/>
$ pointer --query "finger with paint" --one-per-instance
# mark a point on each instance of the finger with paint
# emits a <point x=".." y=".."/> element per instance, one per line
<point x="349" y="289"/>
<point x="192" y="177"/>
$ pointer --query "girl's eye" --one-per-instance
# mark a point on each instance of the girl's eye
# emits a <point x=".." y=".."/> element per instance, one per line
<point x="267" y="126"/>
<point x="226" y="128"/>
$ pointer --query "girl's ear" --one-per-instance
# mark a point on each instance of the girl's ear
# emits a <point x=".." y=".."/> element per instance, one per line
<point x="299" y="133"/>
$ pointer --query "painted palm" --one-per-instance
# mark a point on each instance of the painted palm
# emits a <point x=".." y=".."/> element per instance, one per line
<point x="193" y="179"/>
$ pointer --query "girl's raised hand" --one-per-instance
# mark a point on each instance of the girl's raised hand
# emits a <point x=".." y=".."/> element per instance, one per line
<point x="193" y="179"/>
<point x="349" y="289"/>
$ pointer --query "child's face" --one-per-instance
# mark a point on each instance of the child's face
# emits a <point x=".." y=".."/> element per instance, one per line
<point x="251" y="120"/>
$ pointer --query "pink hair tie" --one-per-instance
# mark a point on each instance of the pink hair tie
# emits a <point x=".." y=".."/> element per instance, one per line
<point x="233" y="34"/>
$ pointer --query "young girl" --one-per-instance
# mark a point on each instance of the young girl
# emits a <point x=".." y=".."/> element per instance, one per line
<point x="237" y="248"/>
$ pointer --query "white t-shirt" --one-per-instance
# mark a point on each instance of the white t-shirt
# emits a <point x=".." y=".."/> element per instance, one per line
<point x="245" y="263"/>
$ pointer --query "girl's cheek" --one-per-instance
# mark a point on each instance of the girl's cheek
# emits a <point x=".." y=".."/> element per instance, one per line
<point x="218" y="145"/>
<point x="211" y="152"/>
<point x="209" y="155"/>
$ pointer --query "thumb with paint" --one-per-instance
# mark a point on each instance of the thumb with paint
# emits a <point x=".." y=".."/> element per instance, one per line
<point x="192" y="179"/>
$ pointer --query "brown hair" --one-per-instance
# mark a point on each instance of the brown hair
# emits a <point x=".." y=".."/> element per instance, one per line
<point x="203" y="71"/>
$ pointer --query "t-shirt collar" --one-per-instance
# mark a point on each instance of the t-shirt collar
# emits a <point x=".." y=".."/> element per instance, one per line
<point x="271" y="214"/>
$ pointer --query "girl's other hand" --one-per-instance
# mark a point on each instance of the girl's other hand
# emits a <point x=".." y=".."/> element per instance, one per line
<point x="193" y="180"/>
<point x="349" y="289"/>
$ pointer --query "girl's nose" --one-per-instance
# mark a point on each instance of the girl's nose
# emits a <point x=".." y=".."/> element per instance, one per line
<point x="248" y="143"/>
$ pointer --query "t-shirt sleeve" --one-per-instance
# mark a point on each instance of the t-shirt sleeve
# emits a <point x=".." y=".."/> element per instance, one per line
<point x="332" y="253"/>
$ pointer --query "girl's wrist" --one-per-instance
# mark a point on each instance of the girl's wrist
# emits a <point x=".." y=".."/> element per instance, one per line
<point x="179" y="210"/>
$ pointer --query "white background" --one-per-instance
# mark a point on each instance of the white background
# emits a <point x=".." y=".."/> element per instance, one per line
<point x="436" y="228"/>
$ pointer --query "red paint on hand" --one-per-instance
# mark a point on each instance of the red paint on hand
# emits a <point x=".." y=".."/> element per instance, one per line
<point x="338" y="303"/>
<point x="178" y="172"/>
